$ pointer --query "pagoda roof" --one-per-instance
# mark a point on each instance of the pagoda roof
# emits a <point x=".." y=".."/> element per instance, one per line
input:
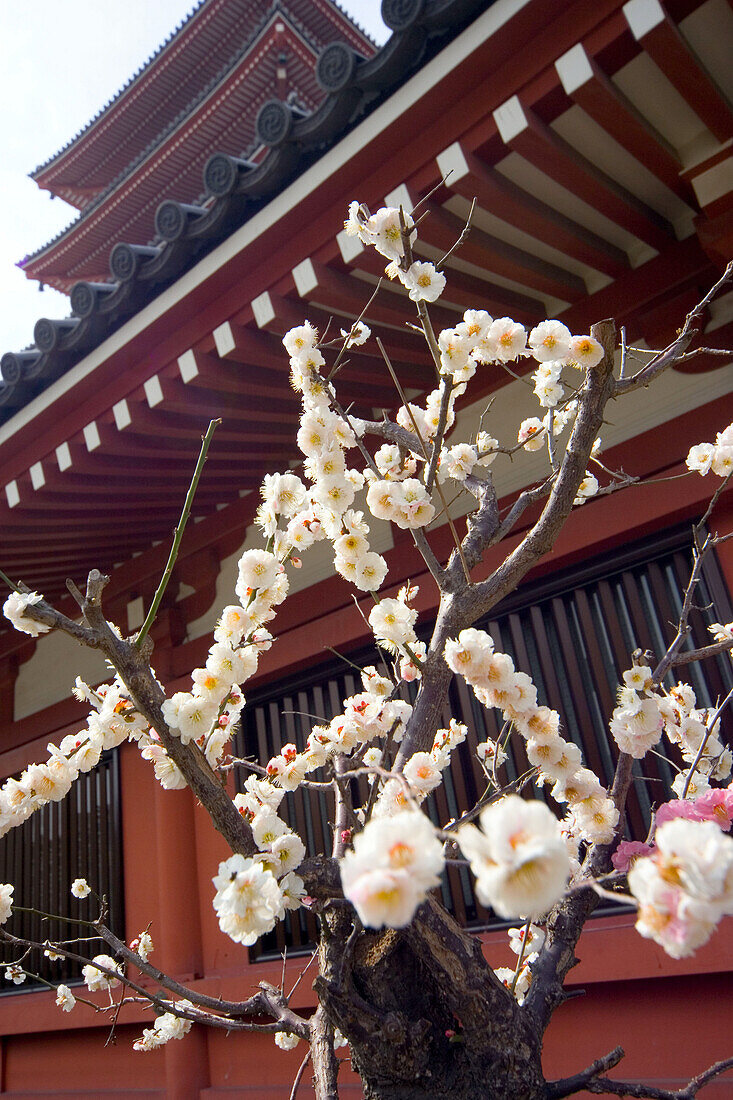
<point x="187" y="62"/>
<point x="221" y="118"/>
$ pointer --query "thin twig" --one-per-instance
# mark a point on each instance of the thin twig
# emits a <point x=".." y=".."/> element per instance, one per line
<point x="520" y="960"/>
<point x="178" y="535"/>
<point x="6" y="580"/>
<point x="299" y="1075"/>
<point x="342" y="352"/>
<point x="708" y="734"/>
<point x="464" y="233"/>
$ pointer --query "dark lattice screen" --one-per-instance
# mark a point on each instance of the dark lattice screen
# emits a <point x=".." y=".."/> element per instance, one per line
<point x="574" y="635"/>
<point x="78" y="837"/>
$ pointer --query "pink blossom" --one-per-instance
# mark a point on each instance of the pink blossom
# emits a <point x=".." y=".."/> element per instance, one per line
<point x="676" y="808"/>
<point x="628" y="851"/>
<point x="716" y="805"/>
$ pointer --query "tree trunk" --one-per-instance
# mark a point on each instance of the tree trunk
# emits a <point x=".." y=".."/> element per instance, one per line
<point x="424" y="1014"/>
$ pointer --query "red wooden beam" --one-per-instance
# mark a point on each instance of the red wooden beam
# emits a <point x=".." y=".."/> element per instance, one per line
<point x="679" y="262"/>
<point x="588" y="86"/>
<point x="661" y="39"/>
<point x="441" y="229"/>
<point x="471" y="178"/>
<point x="526" y="134"/>
<point x="231" y="408"/>
<point x="135" y="467"/>
<point x="318" y="283"/>
<point x="240" y="343"/>
<point x="210" y="373"/>
<point x="152" y="423"/>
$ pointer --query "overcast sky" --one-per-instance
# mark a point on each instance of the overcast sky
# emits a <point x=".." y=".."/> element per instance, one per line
<point x="60" y="62"/>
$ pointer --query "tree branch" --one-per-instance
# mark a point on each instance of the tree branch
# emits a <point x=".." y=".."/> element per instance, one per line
<point x="556" y="1090"/>
<point x="325" y="1063"/>
<point x="540" y="539"/>
<point x="605" y="1086"/>
<point x="676" y="351"/>
<point x="133" y="667"/>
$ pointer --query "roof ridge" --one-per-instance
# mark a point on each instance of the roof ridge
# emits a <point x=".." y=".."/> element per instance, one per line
<point x="276" y="10"/>
<point x="198" y="6"/>
<point x="352" y="19"/>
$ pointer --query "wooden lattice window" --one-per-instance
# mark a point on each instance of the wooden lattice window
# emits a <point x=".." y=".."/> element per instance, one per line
<point x="78" y="837"/>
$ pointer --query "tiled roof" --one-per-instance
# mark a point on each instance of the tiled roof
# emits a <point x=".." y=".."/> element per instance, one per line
<point x="302" y="77"/>
<point x="234" y="189"/>
<point x="188" y="59"/>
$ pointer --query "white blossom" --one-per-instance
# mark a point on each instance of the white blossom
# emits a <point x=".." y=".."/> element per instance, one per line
<point x="518" y="856"/>
<point x="394" y="862"/>
<point x="65" y="999"/>
<point x="96" y="979"/>
<point x="14" y="610"/>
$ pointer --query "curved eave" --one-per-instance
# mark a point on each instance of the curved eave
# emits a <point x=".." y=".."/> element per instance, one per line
<point x="110" y="129"/>
<point x="596" y="239"/>
<point x="36" y="265"/>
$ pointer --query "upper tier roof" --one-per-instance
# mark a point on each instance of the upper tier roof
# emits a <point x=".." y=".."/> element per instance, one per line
<point x="555" y="229"/>
<point x="186" y="63"/>
<point x="221" y="118"/>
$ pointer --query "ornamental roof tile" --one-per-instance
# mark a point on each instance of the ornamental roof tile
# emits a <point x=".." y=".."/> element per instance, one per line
<point x="190" y="55"/>
<point x="234" y="189"/>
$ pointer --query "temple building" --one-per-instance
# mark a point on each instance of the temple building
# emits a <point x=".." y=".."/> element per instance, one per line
<point x="591" y="147"/>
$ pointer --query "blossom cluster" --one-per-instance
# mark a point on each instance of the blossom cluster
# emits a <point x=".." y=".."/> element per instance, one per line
<point x="645" y="711"/>
<point x="592" y="815"/>
<point x="519" y="857"/>
<point x="716" y="458"/>
<point x="6" y="901"/>
<point x="685" y="887"/>
<point x="111" y="722"/>
<point x="14" y="610"/>
<point x="97" y="978"/>
<point x="526" y="942"/>
<point x="387" y="231"/>
<point x="394" y="862"/>
<point x="167" y="1026"/>
<point x="249" y="900"/>
<point x="370" y="714"/>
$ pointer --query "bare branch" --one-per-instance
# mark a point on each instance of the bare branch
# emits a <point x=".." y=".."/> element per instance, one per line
<point x="463" y="235"/>
<point x="605" y="1086"/>
<point x="178" y="534"/>
<point x="676" y="351"/>
<point x="299" y="1075"/>
<point x="556" y="1090"/>
<point x="325" y="1063"/>
<point x="689" y="655"/>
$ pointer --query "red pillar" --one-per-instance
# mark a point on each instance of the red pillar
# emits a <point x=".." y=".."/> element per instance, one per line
<point x="721" y="523"/>
<point x="177" y="936"/>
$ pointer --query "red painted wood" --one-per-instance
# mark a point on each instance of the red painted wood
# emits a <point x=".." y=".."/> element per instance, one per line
<point x="541" y="146"/>
<point x="680" y="261"/>
<point x="606" y="104"/>
<point x="668" y="49"/>
<point x="511" y="204"/>
<point x="441" y="229"/>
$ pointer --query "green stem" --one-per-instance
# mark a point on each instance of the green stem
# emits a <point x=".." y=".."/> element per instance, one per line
<point x="56" y="916"/>
<point x="6" y="580"/>
<point x="178" y="535"/>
